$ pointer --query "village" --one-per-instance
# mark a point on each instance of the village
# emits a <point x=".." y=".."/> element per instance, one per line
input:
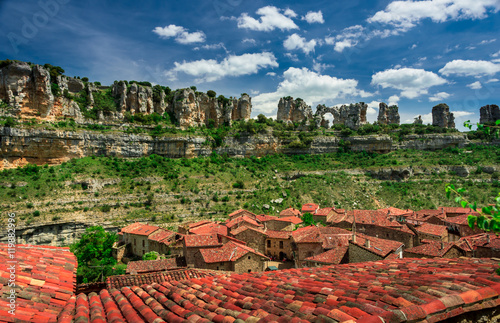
<point x="248" y="242"/>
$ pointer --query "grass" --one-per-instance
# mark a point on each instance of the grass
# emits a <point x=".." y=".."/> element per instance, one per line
<point x="172" y="190"/>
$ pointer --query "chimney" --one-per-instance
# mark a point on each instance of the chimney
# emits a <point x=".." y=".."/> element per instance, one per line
<point x="367" y="243"/>
<point x="354" y="237"/>
<point x="488" y="237"/>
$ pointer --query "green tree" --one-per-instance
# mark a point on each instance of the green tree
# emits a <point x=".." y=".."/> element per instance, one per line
<point x="94" y="254"/>
<point x="152" y="255"/>
<point x="308" y="220"/>
<point x="211" y="94"/>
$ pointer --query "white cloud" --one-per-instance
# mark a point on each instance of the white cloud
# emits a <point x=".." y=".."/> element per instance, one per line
<point x="313" y="87"/>
<point x="271" y="73"/>
<point x="393" y="100"/>
<point x="412" y="82"/>
<point x="182" y="36"/>
<point x="270" y="19"/>
<point x="314" y="17"/>
<point x="492" y="80"/>
<point x="475" y="86"/>
<point x="413" y="46"/>
<point x="459" y="114"/>
<point x="320" y="67"/>
<point x="487" y="41"/>
<point x="330" y="40"/>
<point x="294" y="41"/>
<point x="249" y="40"/>
<point x="404" y="15"/>
<point x="439" y="96"/>
<point x="469" y="68"/>
<point x="290" y="13"/>
<point x="341" y="45"/>
<point x="212" y="46"/>
<point x="292" y="57"/>
<point x="372" y="111"/>
<point x="349" y="37"/>
<point x="497" y="54"/>
<point x="212" y="70"/>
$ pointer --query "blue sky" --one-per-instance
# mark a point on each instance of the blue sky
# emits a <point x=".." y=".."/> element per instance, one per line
<point x="412" y="53"/>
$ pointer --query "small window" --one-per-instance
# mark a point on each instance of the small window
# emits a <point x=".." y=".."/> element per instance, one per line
<point x="143" y="243"/>
<point x="135" y="242"/>
<point x="269" y="243"/>
<point x="249" y="270"/>
<point x="281" y="244"/>
<point x="248" y="257"/>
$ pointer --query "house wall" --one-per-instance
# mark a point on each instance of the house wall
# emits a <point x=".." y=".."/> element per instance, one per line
<point x="422" y="236"/>
<point x="253" y="239"/>
<point x="249" y="263"/>
<point x="139" y="245"/>
<point x="358" y="254"/>
<point x="193" y="256"/>
<point x="278" y="225"/>
<point x="305" y="250"/>
<point x="406" y="238"/>
<point x="274" y="250"/>
<point x="483" y="252"/>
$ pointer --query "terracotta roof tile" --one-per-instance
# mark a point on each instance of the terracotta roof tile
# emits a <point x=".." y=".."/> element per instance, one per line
<point x="143" y="266"/>
<point x="210" y="240"/>
<point x="45" y="279"/>
<point x="395" y="211"/>
<point x="331" y="257"/>
<point x="161" y="234"/>
<point x="242" y="220"/>
<point x="278" y="234"/>
<point x="309" y="207"/>
<point x="290" y="212"/>
<point x="209" y="228"/>
<point x="140" y="229"/>
<point x="431" y="248"/>
<point x="433" y="229"/>
<point x="381" y="247"/>
<point x="242" y="212"/>
<point x="236" y="231"/>
<point x="230" y="251"/>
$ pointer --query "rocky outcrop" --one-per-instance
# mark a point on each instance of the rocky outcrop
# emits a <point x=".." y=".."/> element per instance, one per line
<point x="489" y="114"/>
<point x="242" y="108"/>
<point x="418" y="120"/>
<point x="388" y="114"/>
<point x="442" y="117"/>
<point x="352" y="116"/>
<point x="27" y="89"/>
<point x="291" y="111"/>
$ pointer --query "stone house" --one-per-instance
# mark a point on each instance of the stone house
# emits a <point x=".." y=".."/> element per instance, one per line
<point x="137" y="235"/>
<point x="336" y="256"/>
<point x="309" y="208"/>
<point x="231" y="256"/>
<point x="166" y="242"/>
<point x="243" y="220"/>
<point x="482" y="245"/>
<point x="459" y="227"/>
<point x="367" y="248"/>
<point x="241" y="212"/>
<point x="428" y="231"/>
<point x="254" y="238"/>
<point x="281" y="224"/>
<point x="194" y="243"/>
<point x="322" y="215"/>
<point x="433" y="248"/>
<point x="278" y="244"/>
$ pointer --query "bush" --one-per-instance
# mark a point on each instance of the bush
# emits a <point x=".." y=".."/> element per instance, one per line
<point x="105" y="208"/>
<point x="211" y="94"/>
<point x="239" y="184"/>
<point x="36" y="213"/>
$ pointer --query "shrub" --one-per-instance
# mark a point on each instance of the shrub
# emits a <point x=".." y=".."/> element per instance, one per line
<point x="36" y="213"/>
<point x="211" y="94"/>
<point x="239" y="184"/>
<point x="105" y="208"/>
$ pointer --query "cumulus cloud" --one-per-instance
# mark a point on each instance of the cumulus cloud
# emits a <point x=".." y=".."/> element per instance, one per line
<point x="341" y="45"/>
<point x="320" y="67"/>
<point x="212" y="46"/>
<point x="349" y="37"/>
<point x="412" y="82"/>
<point x="469" y="68"/>
<point x="492" y="80"/>
<point x="475" y="86"/>
<point x="181" y="35"/>
<point x="249" y="40"/>
<point x="439" y="96"/>
<point x="290" y="13"/>
<point x="294" y="41"/>
<point x="497" y="54"/>
<point x="404" y="15"/>
<point x="209" y="70"/>
<point x="393" y="100"/>
<point x="314" y="17"/>
<point x="270" y="19"/>
<point x="459" y="114"/>
<point x="311" y="86"/>
<point x="271" y="74"/>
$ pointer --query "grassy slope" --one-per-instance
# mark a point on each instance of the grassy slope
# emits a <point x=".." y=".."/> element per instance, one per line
<point x="164" y="190"/>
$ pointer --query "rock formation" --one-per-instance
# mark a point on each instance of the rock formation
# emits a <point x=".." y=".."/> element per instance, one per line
<point x="442" y="117"/>
<point x="388" y="115"/>
<point x="352" y="116"/>
<point x="489" y="114"/>
<point x="27" y="89"/>
<point x="290" y="110"/>
<point x="418" y="120"/>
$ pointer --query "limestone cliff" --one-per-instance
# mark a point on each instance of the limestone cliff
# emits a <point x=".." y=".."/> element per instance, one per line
<point x="290" y="110"/>
<point x="489" y="113"/>
<point x="388" y="114"/>
<point x="442" y="117"/>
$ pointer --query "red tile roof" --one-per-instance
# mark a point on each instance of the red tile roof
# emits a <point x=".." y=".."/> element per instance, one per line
<point x="119" y="281"/>
<point x="242" y="212"/>
<point x="470" y="243"/>
<point x="431" y="248"/>
<point x="395" y="211"/>
<point x="381" y="247"/>
<point x="457" y="210"/>
<point x="331" y="257"/>
<point x="329" y="237"/>
<point x="460" y="219"/>
<point x="278" y="234"/>
<point x="324" y="211"/>
<point x="45" y="279"/>
<point x="230" y="251"/>
<point x="309" y="207"/>
<point x="140" y="229"/>
<point x="242" y="220"/>
<point x="241" y="229"/>
<point x="161" y="234"/>
<point x="209" y="228"/>
<point x="290" y="212"/>
<point x="383" y="291"/>
<point x="433" y="229"/>
<point x="144" y="266"/>
<point x="197" y="224"/>
<point x="291" y="219"/>
<point x="264" y="217"/>
<point x="210" y="240"/>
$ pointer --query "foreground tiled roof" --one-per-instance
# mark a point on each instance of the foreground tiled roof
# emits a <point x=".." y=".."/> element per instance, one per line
<point x="144" y="266"/>
<point x="45" y="279"/>
<point x="230" y="251"/>
<point x="433" y="229"/>
<point x="400" y="290"/>
<point x="331" y="257"/>
<point x="290" y="212"/>
<point x="120" y="281"/>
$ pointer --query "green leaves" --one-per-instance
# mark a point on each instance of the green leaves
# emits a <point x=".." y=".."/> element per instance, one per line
<point x="471" y="220"/>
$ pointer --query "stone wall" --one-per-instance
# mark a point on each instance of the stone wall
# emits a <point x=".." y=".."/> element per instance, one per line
<point x="275" y="246"/>
<point x="359" y="254"/>
<point x="306" y="250"/>
<point x="253" y="239"/>
<point x="248" y="263"/>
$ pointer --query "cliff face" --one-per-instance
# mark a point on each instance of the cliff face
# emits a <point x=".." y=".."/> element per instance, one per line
<point x="31" y="92"/>
<point x="20" y="146"/>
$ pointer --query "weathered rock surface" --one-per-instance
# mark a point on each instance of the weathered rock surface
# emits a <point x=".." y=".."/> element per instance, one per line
<point x="489" y="113"/>
<point x="290" y="110"/>
<point x="352" y="116"/>
<point x="418" y="120"/>
<point x="19" y="146"/>
<point x="388" y="114"/>
<point x="442" y="117"/>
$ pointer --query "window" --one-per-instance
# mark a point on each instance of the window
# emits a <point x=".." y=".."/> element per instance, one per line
<point x="249" y="270"/>
<point x="135" y="242"/>
<point x="281" y="244"/>
<point x="269" y="243"/>
<point x="143" y="243"/>
<point x="248" y="257"/>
